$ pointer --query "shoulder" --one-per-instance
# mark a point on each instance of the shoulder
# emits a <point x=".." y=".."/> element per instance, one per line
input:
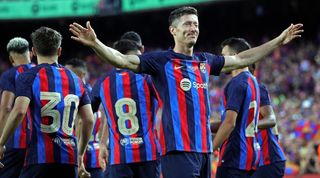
<point x="30" y="74"/>
<point x="207" y="56"/>
<point x="263" y="88"/>
<point x="101" y="79"/>
<point x="155" y="55"/>
<point x="8" y="73"/>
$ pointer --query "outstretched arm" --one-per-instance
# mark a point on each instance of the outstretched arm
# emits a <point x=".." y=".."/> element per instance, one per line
<point x="88" y="37"/>
<point x="253" y="55"/>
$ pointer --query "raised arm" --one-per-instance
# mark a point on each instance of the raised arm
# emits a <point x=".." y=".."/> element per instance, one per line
<point x="253" y="55"/>
<point x="88" y="37"/>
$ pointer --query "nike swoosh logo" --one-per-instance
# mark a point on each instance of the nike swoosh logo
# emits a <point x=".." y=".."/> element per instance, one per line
<point x="178" y="67"/>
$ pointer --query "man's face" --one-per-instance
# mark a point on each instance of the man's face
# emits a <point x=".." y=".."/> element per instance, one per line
<point x="186" y="29"/>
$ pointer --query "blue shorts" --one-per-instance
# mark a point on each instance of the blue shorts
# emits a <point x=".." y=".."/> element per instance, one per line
<point x="147" y="169"/>
<point x="95" y="172"/>
<point x="274" y="170"/>
<point x="186" y="164"/>
<point x="13" y="163"/>
<point x="50" y="171"/>
<point x="227" y="172"/>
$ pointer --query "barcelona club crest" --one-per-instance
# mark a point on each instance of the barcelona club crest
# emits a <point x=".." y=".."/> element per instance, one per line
<point x="203" y="67"/>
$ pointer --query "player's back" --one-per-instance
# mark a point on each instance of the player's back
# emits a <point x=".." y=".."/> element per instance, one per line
<point x="129" y="102"/>
<point x="7" y="83"/>
<point x="271" y="150"/>
<point x="241" y="149"/>
<point x="55" y="94"/>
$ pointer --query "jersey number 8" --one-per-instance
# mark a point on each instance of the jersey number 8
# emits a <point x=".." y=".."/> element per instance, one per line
<point x="129" y="115"/>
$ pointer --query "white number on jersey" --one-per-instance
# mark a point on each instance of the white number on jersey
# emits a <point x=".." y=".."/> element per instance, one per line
<point x="125" y="116"/>
<point x="48" y="110"/>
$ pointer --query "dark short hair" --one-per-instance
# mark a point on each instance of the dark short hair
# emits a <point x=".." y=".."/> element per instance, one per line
<point x="177" y="13"/>
<point x="46" y="41"/>
<point x="131" y="35"/>
<point x="78" y="63"/>
<point x="18" y="45"/>
<point x="237" y="45"/>
<point x="124" y="46"/>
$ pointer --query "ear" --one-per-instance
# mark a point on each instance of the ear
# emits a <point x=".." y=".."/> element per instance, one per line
<point x="30" y="54"/>
<point x="172" y="30"/>
<point x="34" y="53"/>
<point x="82" y="75"/>
<point x="11" y="60"/>
<point x="59" y="51"/>
<point x="142" y="49"/>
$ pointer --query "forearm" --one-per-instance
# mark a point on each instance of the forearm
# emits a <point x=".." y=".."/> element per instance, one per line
<point x="267" y="122"/>
<point x="253" y="55"/>
<point x="14" y="120"/>
<point x="78" y="126"/>
<point x="223" y="133"/>
<point x="105" y="135"/>
<point x="114" y="57"/>
<point x="86" y="129"/>
<point x="3" y="118"/>
<point x="108" y="54"/>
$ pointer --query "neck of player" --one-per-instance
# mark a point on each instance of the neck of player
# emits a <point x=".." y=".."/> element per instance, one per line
<point x="238" y="71"/>
<point x="47" y="59"/>
<point x="183" y="49"/>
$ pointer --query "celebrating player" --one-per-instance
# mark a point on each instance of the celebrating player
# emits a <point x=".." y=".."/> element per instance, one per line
<point x="181" y="78"/>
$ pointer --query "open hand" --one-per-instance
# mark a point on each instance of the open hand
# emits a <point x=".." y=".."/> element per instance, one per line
<point x="292" y="32"/>
<point x="83" y="173"/>
<point x="86" y="36"/>
<point x="103" y="157"/>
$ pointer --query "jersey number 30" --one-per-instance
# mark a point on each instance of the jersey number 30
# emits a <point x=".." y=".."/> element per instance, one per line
<point x="48" y="110"/>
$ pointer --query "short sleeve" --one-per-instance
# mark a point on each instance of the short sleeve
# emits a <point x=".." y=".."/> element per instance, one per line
<point x="264" y="96"/>
<point x="95" y="96"/>
<point x="7" y="81"/>
<point x="235" y="95"/>
<point x="216" y="63"/>
<point x="150" y="63"/>
<point x="85" y="99"/>
<point x="24" y="84"/>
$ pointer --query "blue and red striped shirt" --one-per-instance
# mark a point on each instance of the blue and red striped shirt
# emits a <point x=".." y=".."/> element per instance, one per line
<point x="183" y="83"/>
<point x="271" y="150"/>
<point x="241" y="150"/>
<point x="55" y="95"/>
<point x="130" y="106"/>
<point x="7" y="83"/>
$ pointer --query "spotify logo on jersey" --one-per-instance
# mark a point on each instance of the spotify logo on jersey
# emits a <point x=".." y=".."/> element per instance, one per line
<point x="185" y="84"/>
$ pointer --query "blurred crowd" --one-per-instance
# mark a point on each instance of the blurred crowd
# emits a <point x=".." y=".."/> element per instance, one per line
<point x="292" y="76"/>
